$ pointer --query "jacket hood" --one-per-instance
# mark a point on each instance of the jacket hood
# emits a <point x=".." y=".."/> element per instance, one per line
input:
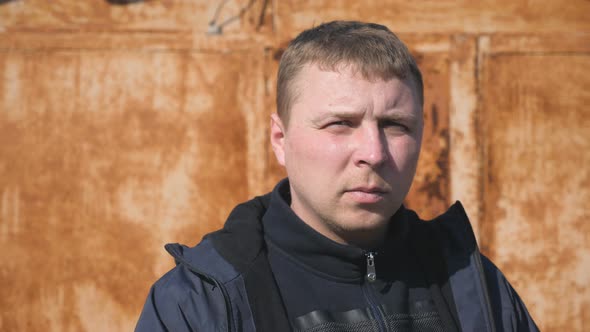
<point x="239" y="242"/>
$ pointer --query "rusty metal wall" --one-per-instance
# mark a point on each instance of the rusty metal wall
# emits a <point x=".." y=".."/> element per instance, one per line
<point x="124" y="127"/>
<point x="536" y="145"/>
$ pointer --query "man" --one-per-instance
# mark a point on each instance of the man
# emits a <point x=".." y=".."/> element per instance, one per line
<point x="332" y="248"/>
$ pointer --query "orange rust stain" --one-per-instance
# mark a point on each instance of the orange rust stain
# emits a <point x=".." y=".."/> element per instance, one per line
<point x="430" y="190"/>
<point x="433" y="17"/>
<point x="144" y="15"/>
<point x="94" y="181"/>
<point x="107" y="155"/>
<point x="537" y="186"/>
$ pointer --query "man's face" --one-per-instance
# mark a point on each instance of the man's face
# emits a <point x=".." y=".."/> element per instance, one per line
<point x="350" y="151"/>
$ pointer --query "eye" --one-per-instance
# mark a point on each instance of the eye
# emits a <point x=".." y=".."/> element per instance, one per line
<point x="341" y="123"/>
<point x="396" y="125"/>
<point x="340" y="126"/>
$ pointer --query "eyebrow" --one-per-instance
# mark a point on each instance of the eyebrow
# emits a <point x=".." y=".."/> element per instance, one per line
<point x="395" y="115"/>
<point x="398" y="116"/>
<point x="338" y="114"/>
<point x="391" y="115"/>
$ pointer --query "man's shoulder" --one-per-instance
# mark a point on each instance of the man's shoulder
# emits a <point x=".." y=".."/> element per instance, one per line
<point x="220" y="263"/>
<point x="195" y="267"/>
<point x="214" y="257"/>
<point x="188" y="292"/>
<point x="471" y="274"/>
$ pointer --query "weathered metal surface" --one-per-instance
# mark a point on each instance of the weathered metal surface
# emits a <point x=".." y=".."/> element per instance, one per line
<point x="429" y="194"/>
<point x="234" y="17"/>
<point x="132" y="41"/>
<point x="126" y="127"/>
<point x="104" y="157"/>
<point x="574" y="42"/>
<point x="447" y="16"/>
<point x="536" y="135"/>
<point x="465" y="164"/>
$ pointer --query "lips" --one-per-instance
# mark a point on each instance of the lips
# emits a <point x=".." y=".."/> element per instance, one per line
<point x="367" y="195"/>
<point x="377" y="190"/>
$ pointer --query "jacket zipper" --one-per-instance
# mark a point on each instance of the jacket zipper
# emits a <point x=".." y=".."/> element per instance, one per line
<point x="371" y="273"/>
<point x="370" y="277"/>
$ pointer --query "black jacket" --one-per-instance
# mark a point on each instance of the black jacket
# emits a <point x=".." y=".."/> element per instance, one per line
<point x="225" y="282"/>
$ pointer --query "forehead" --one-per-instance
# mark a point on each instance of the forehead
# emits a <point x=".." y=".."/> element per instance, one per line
<point x="339" y="74"/>
<point x="345" y="86"/>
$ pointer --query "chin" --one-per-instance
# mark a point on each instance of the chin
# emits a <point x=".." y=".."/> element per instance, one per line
<point x="366" y="224"/>
<point x="376" y="216"/>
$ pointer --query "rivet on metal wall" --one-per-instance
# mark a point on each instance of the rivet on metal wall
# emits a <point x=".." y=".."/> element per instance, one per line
<point x="217" y="29"/>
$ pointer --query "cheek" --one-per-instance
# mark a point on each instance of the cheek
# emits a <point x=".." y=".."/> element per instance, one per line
<point x="405" y="151"/>
<point x="316" y="149"/>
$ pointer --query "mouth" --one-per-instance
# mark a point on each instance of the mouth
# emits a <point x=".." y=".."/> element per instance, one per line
<point x="367" y="195"/>
<point x="370" y="189"/>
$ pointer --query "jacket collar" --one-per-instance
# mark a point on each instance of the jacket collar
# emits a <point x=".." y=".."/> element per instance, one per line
<point x="285" y="231"/>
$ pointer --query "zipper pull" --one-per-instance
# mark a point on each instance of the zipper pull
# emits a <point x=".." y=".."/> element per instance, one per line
<point x="371" y="274"/>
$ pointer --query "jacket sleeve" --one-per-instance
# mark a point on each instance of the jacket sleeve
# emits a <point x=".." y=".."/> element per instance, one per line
<point x="510" y="312"/>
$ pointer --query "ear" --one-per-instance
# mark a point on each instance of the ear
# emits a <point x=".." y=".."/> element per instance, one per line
<point x="277" y="138"/>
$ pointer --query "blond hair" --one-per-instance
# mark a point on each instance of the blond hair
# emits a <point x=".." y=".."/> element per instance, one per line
<point x="370" y="49"/>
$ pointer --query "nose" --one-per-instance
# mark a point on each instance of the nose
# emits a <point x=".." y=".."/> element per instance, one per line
<point x="371" y="146"/>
